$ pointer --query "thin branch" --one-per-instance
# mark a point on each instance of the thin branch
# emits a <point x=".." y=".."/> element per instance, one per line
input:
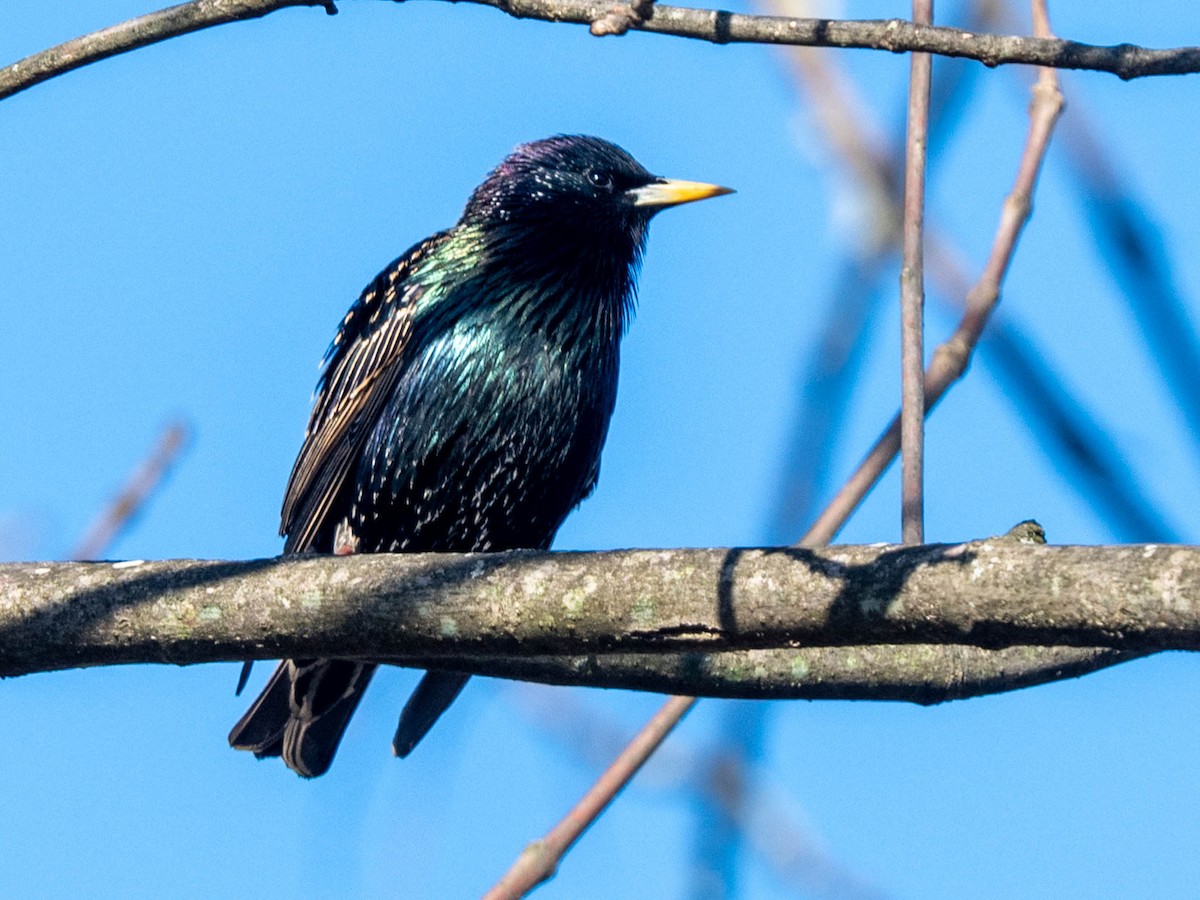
<point x="1041" y="19"/>
<point x="951" y="358"/>
<point x="1058" y="420"/>
<point x="912" y="294"/>
<point x="874" y="166"/>
<point x="133" y="496"/>
<point x="717" y="26"/>
<point x="753" y="800"/>
<point x="825" y="389"/>
<point x="1132" y="246"/>
<point x="140" y="31"/>
<point x="894" y="35"/>
<point x="540" y="859"/>
<point x="1098" y="472"/>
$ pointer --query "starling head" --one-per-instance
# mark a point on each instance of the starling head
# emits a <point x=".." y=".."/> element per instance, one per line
<point x="577" y="185"/>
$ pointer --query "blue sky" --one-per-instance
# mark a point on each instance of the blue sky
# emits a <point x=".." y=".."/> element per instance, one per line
<point x="184" y="227"/>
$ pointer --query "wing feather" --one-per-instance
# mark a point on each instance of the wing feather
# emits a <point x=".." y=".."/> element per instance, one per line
<point x="360" y="371"/>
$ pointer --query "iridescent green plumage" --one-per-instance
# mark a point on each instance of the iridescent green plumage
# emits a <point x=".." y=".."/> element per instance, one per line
<point x="464" y="403"/>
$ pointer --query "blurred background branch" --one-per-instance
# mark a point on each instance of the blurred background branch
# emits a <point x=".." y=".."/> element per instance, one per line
<point x="1092" y="464"/>
<point x="125" y="507"/>
<point x="952" y="356"/>
<point x="774" y="829"/>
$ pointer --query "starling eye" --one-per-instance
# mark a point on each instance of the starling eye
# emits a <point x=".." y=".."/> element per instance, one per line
<point x="602" y="180"/>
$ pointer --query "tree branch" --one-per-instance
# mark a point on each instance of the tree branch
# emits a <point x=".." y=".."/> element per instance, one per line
<point x="140" y="31"/>
<point x="446" y="610"/>
<point x="141" y="486"/>
<point x="912" y="293"/>
<point x="952" y="356"/>
<point x="926" y="674"/>
<point x="1127" y="61"/>
<point x="540" y="859"/>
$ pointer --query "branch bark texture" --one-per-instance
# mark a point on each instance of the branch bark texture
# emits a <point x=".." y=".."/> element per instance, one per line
<point x="716" y="26"/>
<point x="594" y="616"/>
<point x="925" y="674"/>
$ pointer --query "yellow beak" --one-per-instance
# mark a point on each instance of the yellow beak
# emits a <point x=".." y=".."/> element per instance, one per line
<point x="668" y="192"/>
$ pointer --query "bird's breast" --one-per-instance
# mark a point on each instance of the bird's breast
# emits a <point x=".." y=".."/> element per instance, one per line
<point x="489" y="440"/>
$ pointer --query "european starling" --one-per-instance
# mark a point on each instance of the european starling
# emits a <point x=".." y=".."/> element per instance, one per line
<point x="464" y="403"/>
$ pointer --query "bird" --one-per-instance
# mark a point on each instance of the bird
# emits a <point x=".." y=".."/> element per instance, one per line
<point x="463" y="404"/>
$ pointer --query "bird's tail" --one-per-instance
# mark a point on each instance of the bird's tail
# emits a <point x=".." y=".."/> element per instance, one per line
<point x="303" y="711"/>
<point x="436" y="691"/>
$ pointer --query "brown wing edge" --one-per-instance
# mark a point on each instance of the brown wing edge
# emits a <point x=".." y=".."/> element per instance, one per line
<point x="360" y="371"/>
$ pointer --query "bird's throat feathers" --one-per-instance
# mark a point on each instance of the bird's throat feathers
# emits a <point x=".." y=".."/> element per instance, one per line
<point x="576" y="287"/>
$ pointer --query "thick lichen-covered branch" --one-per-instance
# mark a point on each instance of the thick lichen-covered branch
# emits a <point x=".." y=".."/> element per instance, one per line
<point x="598" y="615"/>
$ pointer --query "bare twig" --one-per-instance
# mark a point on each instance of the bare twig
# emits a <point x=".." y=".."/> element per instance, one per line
<point x="1071" y="433"/>
<point x="790" y="848"/>
<point x="540" y="859"/>
<point x="912" y="294"/>
<point x="1057" y="419"/>
<point x="140" y="31"/>
<point x="875" y="167"/>
<point x="1041" y="20"/>
<point x="951" y="358"/>
<point x="1132" y="247"/>
<point x="893" y="35"/>
<point x="105" y="529"/>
